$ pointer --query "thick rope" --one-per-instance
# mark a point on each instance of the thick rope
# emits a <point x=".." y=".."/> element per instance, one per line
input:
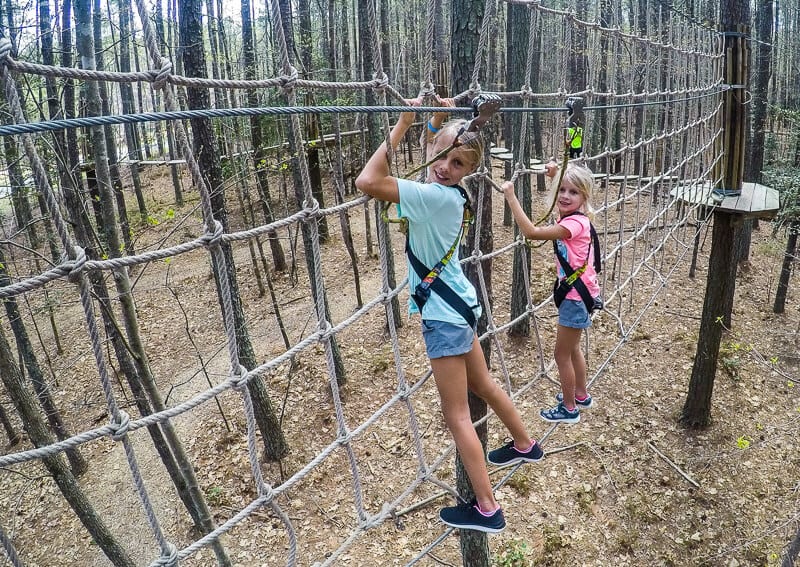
<point x="655" y="227"/>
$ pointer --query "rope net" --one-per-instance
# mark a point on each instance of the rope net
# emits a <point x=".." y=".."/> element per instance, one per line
<point x="346" y="374"/>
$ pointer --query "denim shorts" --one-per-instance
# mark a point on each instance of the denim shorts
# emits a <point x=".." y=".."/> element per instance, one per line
<point x="446" y="339"/>
<point x="573" y="314"/>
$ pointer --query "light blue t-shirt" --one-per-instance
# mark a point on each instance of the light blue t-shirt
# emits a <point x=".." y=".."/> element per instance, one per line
<point x="434" y="213"/>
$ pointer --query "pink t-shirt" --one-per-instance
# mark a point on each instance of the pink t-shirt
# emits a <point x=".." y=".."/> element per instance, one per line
<point x="577" y="250"/>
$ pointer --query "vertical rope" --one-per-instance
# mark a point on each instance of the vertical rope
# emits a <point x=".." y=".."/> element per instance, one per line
<point x="489" y="16"/>
<point x="8" y="547"/>
<point x="324" y="324"/>
<point x="78" y="276"/>
<point x="214" y="228"/>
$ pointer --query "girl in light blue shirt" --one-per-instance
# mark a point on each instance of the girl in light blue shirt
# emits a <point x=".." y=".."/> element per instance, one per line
<point x="434" y="211"/>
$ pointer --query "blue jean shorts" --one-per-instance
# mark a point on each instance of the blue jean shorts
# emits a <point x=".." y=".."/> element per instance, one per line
<point x="573" y="314"/>
<point x="446" y="339"/>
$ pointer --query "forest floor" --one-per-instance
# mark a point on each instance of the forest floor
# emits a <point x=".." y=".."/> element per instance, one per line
<point x="625" y="487"/>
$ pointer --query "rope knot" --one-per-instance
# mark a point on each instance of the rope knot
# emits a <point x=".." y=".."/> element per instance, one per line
<point x="239" y="379"/>
<point x="403" y="391"/>
<point x="163" y="73"/>
<point x="214" y="239"/>
<point x="380" y="83"/>
<point x="76" y="266"/>
<point x="120" y="427"/>
<point x="5" y="50"/>
<point x="288" y="83"/>
<point x="474" y="89"/>
<point x="265" y="491"/>
<point x="325" y="330"/>
<point x="169" y="556"/>
<point x="427" y="90"/>
<point x="312" y="207"/>
<point x="525" y="92"/>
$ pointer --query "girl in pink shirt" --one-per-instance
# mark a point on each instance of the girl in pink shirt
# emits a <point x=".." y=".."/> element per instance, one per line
<point x="572" y="235"/>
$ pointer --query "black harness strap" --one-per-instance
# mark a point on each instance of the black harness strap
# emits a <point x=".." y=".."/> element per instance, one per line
<point x="573" y="277"/>
<point x="429" y="278"/>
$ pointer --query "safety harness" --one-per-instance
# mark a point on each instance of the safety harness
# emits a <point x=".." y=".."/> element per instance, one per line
<point x="572" y="277"/>
<point x="483" y="108"/>
<point x="430" y="277"/>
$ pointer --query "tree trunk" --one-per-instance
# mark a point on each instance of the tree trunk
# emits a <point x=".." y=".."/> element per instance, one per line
<point x="312" y="120"/>
<point x="11" y="433"/>
<point x="126" y="98"/>
<point x="257" y="142"/>
<point x="520" y="18"/>
<point x="722" y="271"/>
<point x="465" y="24"/>
<point x="56" y="466"/>
<point x="205" y="150"/>
<point x="36" y="376"/>
<point x="760" y="100"/>
<point x="111" y="146"/>
<point x="323" y="310"/>
<point x="789" y="256"/>
<point x="122" y="281"/>
<point x="721" y="281"/>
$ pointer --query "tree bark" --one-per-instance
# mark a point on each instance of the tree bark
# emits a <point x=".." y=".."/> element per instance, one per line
<point x="205" y="150"/>
<point x="25" y="348"/>
<point x="323" y="310"/>
<point x="11" y="433"/>
<point x="56" y="466"/>
<point x="126" y="98"/>
<point x="257" y="141"/>
<point x="789" y="256"/>
<point x="465" y="23"/>
<point x="721" y="280"/>
<point x="520" y="17"/>
<point x="722" y="272"/>
<point x="111" y="146"/>
<point x="109" y="226"/>
<point x="312" y="120"/>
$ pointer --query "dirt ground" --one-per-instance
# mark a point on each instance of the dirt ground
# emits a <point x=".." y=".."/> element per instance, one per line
<point x="625" y="487"/>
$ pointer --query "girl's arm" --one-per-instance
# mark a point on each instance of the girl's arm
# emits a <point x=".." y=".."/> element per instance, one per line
<point x="526" y="226"/>
<point x="376" y="178"/>
<point x="434" y="124"/>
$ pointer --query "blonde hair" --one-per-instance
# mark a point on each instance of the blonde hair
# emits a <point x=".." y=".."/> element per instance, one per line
<point x="581" y="177"/>
<point x="472" y="142"/>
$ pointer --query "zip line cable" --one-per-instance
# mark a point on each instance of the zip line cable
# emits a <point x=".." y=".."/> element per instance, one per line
<point x="109" y="120"/>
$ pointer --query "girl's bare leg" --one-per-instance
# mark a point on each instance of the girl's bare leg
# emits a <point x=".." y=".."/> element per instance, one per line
<point x="567" y="340"/>
<point x="450" y="373"/>
<point x="483" y="385"/>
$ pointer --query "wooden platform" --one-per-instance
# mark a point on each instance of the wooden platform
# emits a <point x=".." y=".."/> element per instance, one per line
<point x="505" y="156"/>
<point x="755" y="200"/>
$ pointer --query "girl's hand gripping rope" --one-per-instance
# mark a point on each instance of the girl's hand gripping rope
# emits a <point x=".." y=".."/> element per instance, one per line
<point x="484" y="107"/>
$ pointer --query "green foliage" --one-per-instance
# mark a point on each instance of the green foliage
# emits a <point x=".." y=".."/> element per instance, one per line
<point x="512" y="553"/>
<point x="731" y="355"/>
<point x="553" y="539"/>
<point x="785" y="180"/>
<point x="521" y="483"/>
<point x="216" y="496"/>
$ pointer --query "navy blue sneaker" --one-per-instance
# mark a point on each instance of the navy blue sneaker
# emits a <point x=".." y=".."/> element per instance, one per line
<point x="580" y="404"/>
<point x="468" y="517"/>
<point x="560" y="414"/>
<point x="508" y="454"/>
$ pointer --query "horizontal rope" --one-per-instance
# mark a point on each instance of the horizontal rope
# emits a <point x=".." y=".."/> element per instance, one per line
<point x="53" y="125"/>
